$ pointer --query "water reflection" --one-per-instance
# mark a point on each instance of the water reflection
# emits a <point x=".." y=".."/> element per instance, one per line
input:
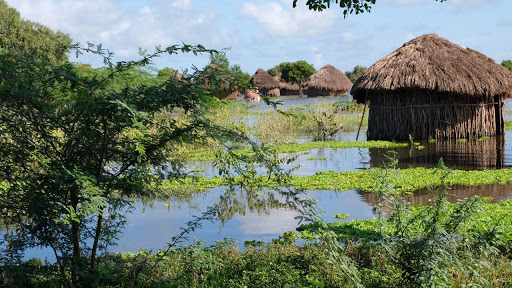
<point x="474" y="154"/>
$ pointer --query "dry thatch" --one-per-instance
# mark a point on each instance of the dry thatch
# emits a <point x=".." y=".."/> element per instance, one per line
<point x="327" y="81"/>
<point x="433" y="63"/>
<point x="432" y="88"/>
<point x="221" y="86"/>
<point x="287" y="88"/>
<point x="265" y="83"/>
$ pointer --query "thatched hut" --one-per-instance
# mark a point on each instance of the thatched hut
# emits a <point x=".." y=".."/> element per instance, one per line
<point x="328" y="81"/>
<point x="265" y="83"/>
<point x="432" y="88"/>
<point x="287" y="88"/>
<point x="221" y="85"/>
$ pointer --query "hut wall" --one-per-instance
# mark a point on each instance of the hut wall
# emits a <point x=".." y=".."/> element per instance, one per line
<point x="287" y="92"/>
<point x="312" y="92"/>
<point x="424" y="116"/>
<point x="271" y="92"/>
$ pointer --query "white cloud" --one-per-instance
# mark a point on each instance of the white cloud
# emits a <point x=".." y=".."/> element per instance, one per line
<point x="123" y="28"/>
<point x="279" y="19"/>
<point x="318" y="58"/>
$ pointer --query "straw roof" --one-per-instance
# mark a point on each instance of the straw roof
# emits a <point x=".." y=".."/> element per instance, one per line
<point x="329" y="78"/>
<point x="263" y="80"/>
<point x="433" y="63"/>
<point x="286" y="85"/>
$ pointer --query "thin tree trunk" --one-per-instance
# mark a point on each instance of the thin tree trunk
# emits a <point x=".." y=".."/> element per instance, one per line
<point x="96" y="240"/>
<point x="301" y="93"/>
<point x="75" y="237"/>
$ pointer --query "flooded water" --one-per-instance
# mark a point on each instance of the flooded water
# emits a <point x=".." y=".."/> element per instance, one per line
<point x="251" y="218"/>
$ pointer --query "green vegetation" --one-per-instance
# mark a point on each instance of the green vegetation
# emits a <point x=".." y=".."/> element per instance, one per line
<point x="241" y="78"/>
<point x="405" y="181"/>
<point x="205" y="155"/>
<point x="507" y="64"/>
<point x="355" y="73"/>
<point x="297" y="72"/>
<point x="508" y="125"/>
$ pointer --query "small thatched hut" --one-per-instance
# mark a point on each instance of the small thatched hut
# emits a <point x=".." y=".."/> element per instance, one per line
<point x="265" y="83"/>
<point x="287" y="88"/>
<point x="222" y="85"/>
<point x="432" y="88"/>
<point x="328" y="81"/>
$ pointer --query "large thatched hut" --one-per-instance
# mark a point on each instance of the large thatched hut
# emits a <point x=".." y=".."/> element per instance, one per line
<point x="265" y="83"/>
<point x="432" y="88"/>
<point x="219" y="82"/>
<point x="287" y="88"/>
<point x="328" y="81"/>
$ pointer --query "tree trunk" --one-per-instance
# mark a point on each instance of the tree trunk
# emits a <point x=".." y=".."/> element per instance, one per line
<point x="75" y="237"/>
<point x="301" y="93"/>
<point x="96" y="240"/>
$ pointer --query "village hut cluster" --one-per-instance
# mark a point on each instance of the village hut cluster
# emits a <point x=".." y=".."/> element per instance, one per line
<point x="429" y="88"/>
<point x="432" y="88"/>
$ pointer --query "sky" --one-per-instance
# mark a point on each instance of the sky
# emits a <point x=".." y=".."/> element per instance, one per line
<point x="264" y="33"/>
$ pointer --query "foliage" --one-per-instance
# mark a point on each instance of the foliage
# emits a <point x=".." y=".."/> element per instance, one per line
<point x="297" y="72"/>
<point x="355" y="73"/>
<point x="348" y="6"/>
<point x="241" y="78"/>
<point x="507" y="64"/>
<point x="405" y="182"/>
<point x="28" y="37"/>
<point x="278" y="69"/>
<point x="77" y="141"/>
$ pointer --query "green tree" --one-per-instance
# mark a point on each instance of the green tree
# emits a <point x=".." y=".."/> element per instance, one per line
<point x="77" y="141"/>
<point x="278" y="69"/>
<point x="348" y="6"/>
<point x="355" y="73"/>
<point x="242" y="78"/>
<point x="297" y="72"/>
<point x="507" y="64"/>
<point x="30" y="37"/>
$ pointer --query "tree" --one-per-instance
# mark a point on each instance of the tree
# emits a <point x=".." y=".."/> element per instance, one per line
<point x="355" y="73"/>
<point x="507" y="64"/>
<point x="278" y="69"/>
<point x="30" y="37"/>
<point x="241" y="78"/>
<point x="297" y="72"/>
<point x="78" y="142"/>
<point x="348" y="6"/>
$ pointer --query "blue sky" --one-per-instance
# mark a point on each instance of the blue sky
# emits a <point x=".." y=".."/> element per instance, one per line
<point x="263" y="33"/>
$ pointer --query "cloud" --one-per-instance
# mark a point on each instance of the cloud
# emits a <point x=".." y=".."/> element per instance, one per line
<point x="124" y="28"/>
<point x="279" y="19"/>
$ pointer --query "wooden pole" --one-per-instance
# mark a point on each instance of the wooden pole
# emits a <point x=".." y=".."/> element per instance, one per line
<point x="362" y="116"/>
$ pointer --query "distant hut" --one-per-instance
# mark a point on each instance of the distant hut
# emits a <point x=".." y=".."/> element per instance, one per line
<point x="265" y="83"/>
<point x="328" y="81"/>
<point x="432" y="88"/>
<point x="287" y="88"/>
<point x="224" y="85"/>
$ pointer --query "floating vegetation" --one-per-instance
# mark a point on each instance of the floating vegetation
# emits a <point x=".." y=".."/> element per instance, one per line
<point x="405" y="182"/>
<point x="314" y="158"/>
<point x="432" y="140"/>
<point x="484" y="138"/>
<point x="462" y="140"/>
<point x="209" y="154"/>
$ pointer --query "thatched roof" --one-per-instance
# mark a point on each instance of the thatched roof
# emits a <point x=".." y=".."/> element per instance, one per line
<point x="263" y="80"/>
<point x="329" y="78"/>
<point x="433" y="63"/>
<point x="286" y="85"/>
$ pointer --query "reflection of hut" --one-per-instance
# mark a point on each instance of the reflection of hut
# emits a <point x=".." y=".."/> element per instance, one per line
<point x="471" y="155"/>
<point x="328" y="81"/>
<point x="287" y="88"/>
<point x="265" y="83"/>
<point x="221" y="85"/>
<point x="432" y="88"/>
